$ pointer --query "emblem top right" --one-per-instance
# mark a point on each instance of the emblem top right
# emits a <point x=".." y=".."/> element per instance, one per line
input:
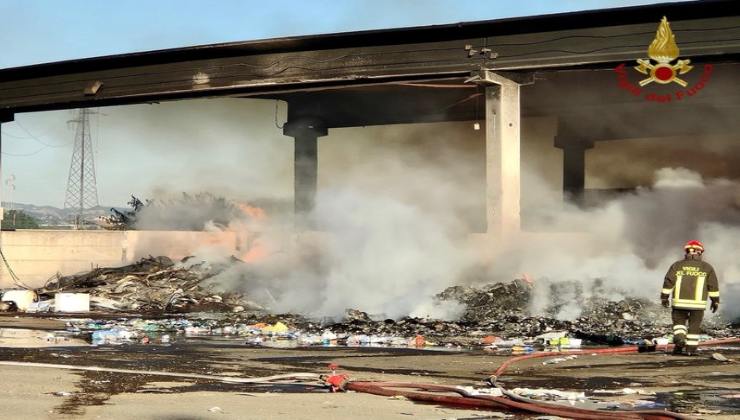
<point x="663" y="50"/>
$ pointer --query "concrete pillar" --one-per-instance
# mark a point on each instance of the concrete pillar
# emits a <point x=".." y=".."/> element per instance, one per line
<point x="503" y="156"/>
<point x="306" y="133"/>
<point x="574" y="171"/>
<point x="574" y="166"/>
<point x="4" y="117"/>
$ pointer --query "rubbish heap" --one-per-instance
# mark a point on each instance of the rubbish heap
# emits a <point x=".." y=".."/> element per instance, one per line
<point x="505" y="309"/>
<point x="151" y="285"/>
<point x="180" y="299"/>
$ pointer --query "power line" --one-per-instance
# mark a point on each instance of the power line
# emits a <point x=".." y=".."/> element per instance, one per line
<point x="18" y="123"/>
<point x="14" y="136"/>
<point x="27" y="154"/>
<point x="30" y="135"/>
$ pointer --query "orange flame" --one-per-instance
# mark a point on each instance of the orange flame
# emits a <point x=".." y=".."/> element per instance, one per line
<point x="256" y="249"/>
<point x="254" y="213"/>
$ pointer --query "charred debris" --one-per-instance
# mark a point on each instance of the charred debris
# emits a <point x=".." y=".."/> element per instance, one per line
<point x="159" y="288"/>
<point x="153" y="285"/>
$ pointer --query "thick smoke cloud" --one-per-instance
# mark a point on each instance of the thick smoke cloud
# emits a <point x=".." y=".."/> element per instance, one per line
<point x="397" y="206"/>
<point x="389" y="257"/>
<point x="390" y="229"/>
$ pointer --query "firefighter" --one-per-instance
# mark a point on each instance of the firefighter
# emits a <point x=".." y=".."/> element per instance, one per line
<point x="689" y="281"/>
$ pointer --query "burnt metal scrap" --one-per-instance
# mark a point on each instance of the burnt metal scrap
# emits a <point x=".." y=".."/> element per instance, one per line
<point x="182" y="212"/>
<point x="122" y="219"/>
<point x="154" y="284"/>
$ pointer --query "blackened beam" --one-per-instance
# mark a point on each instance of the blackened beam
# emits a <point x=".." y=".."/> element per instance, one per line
<point x="254" y="74"/>
<point x="257" y="73"/>
<point x="550" y="23"/>
<point x="387" y="104"/>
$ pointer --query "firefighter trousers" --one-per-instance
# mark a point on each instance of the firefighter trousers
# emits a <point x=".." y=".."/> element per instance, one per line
<point x="683" y="335"/>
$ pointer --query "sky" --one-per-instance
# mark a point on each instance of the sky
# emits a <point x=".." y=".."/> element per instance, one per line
<point x="144" y="149"/>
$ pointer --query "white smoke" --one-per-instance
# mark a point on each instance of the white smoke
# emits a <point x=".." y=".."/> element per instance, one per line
<point x="389" y="257"/>
<point x="629" y="243"/>
<point x="397" y="206"/>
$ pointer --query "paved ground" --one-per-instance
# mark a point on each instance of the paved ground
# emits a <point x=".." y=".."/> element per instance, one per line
<point x="698" y="385"/>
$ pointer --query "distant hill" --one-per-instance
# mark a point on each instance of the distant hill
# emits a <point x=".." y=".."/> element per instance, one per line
<point x="50" y="216"/>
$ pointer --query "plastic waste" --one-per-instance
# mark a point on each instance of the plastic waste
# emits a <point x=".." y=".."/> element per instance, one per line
<point x="309" y="339"/>
<point x="112" y="336"/>
<point x="490" y="339"/>
<point x="661" y="341"/>
<point x="41" y="306"/>
<point x="510" y="343"/>
<point x="623" y="391"/>
<point x="328" y="338"/>
<point x="557" y="360"/>
<point x="22" y="298"/>
<point x="522" y="349"/>
<point x="549" y="394"/>
<point x="469" y="390"/>
<point x="276" y="329"/>
<point x="72" y="302"/>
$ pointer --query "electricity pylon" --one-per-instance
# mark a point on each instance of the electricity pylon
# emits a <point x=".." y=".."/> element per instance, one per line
<point x="82" y="190"/>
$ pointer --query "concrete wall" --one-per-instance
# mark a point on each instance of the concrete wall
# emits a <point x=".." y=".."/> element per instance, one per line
<point x="37" y="255"/>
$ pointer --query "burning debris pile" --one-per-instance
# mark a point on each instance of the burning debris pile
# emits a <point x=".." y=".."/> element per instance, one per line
<point x="503" y="310"/>
<point x="500" y="311"/>
<point x="492" y="302"/>
<point x="154" y="284"/>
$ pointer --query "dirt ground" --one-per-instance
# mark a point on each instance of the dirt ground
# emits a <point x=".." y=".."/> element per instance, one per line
<point x="699" y="385"/>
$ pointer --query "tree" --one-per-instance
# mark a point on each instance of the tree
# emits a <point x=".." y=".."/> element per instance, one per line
<point x="17" y="219"/>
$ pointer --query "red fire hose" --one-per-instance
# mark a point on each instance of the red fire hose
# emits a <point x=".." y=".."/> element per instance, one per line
<point x="389" y="389"/>
<point x="611" y="350"/>
<point x="511" y="401"/>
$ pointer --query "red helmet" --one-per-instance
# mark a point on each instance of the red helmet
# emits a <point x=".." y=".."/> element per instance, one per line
<point x="694" y="245"/>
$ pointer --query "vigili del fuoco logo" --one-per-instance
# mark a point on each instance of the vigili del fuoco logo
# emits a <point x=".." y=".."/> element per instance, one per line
<point x="661" y="69"/>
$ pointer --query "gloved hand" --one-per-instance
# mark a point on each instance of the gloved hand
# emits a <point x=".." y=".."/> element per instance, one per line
<point x="714" y="306"/>
<point x="666" y="303"/>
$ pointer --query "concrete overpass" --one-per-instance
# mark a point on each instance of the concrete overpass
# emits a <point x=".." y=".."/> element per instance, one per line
<point x="495" y="72"/>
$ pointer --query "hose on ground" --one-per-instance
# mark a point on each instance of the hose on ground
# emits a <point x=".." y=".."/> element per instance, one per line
<point x="643" y="414"/>
<point x="493" y="402"/>
<point x="612" y="350"/>
<point x="514" y="402"/>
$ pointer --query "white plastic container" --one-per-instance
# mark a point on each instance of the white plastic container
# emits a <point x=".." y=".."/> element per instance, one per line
<point x="661" y="341"/>
<point x="72" y="302"/>
<point x="22" y="298"/>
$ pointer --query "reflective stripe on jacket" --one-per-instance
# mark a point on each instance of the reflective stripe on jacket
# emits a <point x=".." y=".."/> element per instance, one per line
<point x="691" y="282"/>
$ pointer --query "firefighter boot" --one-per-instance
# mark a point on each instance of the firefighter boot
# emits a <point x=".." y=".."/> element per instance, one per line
<point x="679" y="341"/>
<point x="691" y="350"/>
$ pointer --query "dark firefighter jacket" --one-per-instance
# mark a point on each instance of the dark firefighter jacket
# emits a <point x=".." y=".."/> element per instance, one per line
<point x="690" y="281"/>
